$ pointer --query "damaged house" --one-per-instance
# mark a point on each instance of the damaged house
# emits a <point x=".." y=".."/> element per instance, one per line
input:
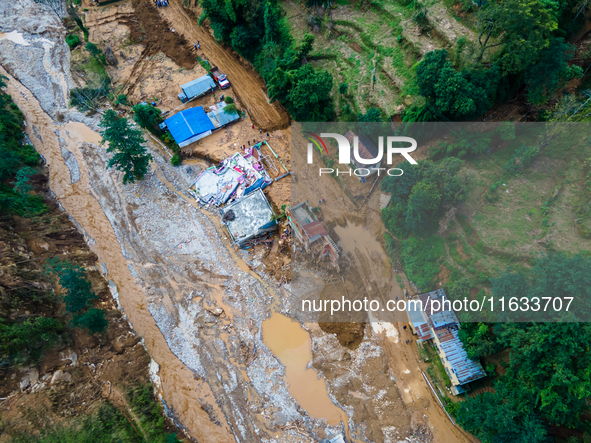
<point x="310" y="231"/>
<point x="249" y="218"/>
<point x="234" y="178"/>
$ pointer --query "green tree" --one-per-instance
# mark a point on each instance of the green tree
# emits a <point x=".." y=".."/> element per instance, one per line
<point x="420" y="195"/>
<point x="493" y="419"/>
<point x="307" y="43"/>
<point x="122" y="100"/>
<point x="147" y="116"/>
<point x="305" y="92"/>
<point x="524" y="28"/>
<point x="22" y="184"/>
<point x="176" y="160"/>
<point x="343" y="88"/>
<point x="372" y="115"/>
<point x="452" y="93"/>
<point x="552" y="71"/>
<point x="231" y="109"/>
<point x="78" y="293"/>
<point x="92" y="320"/>
<point x="423" y="204"/>
<point x="478" y="340"/>
<point x="126" y="144"/>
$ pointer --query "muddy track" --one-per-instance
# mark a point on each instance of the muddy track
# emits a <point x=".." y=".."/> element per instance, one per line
<point x="138" y="70"/>
<point x="246" y="83"/>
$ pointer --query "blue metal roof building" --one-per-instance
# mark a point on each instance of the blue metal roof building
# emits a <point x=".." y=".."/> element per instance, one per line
<point x="189" y="126"/>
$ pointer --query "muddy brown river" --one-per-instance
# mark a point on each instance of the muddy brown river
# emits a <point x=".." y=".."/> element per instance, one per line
<point x="179" y="387"/>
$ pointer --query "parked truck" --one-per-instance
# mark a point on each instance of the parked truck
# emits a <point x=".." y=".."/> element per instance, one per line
<point x="220" y="77"/>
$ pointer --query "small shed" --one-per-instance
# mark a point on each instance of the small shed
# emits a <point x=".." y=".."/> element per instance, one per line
<point x="189" y="126"/>
<point x="221" y="118"/>
<point x="249" y="217"/>
<point x="197" y="87"/>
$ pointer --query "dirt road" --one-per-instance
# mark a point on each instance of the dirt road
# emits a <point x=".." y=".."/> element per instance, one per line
<point x="246" y="83"/>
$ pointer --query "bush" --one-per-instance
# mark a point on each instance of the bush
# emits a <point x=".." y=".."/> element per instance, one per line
<point x="230" y="109"/>
<point x="176" y="160"/>
<point x="72" y="40"/>
<point x="122" y="100"/>
<point x="229" y="100"/>
<point x="24" y="343"/>
<point x="93" y="320"/>
<point x="422" y="259"/>
<point x="147" y="116"/>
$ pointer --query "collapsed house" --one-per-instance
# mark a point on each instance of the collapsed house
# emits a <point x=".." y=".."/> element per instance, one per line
<point x="441" y="326"/>
<point x="249" y="218"/>
<point x="310" y="231"/>
<point x="234" y="178"/>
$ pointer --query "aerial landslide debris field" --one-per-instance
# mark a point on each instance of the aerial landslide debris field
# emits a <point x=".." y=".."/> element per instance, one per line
<point x="197" y="302"/>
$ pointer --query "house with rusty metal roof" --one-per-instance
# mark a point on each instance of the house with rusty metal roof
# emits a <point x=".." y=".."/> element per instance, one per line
<point x="311" y="232"/>
<point x="438" y="323"/>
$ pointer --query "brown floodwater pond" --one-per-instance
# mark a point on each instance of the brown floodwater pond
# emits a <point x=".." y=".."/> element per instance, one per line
<point x="290" y="343"/>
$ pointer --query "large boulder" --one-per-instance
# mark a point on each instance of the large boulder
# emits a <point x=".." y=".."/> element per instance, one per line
<point x="110" y="56"/>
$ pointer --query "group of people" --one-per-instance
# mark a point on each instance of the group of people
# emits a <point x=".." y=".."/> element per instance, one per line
<point x="161" y="3"/>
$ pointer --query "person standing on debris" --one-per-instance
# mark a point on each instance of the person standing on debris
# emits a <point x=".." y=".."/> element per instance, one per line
<point x="252" y="126"/>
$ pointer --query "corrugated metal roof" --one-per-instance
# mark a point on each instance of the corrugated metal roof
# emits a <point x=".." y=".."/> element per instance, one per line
<point x="198" y="86"/>
<point x="443" y="318"/>
<point x="220" y="118"/>
<point x="465" y="369"/>
<point x="189" y="123"/>
<point x="419" y="320"/>
<point x="315" y="229"/>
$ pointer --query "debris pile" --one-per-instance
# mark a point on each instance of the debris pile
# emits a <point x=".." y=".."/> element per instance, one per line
<point x="234" y="178"/>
